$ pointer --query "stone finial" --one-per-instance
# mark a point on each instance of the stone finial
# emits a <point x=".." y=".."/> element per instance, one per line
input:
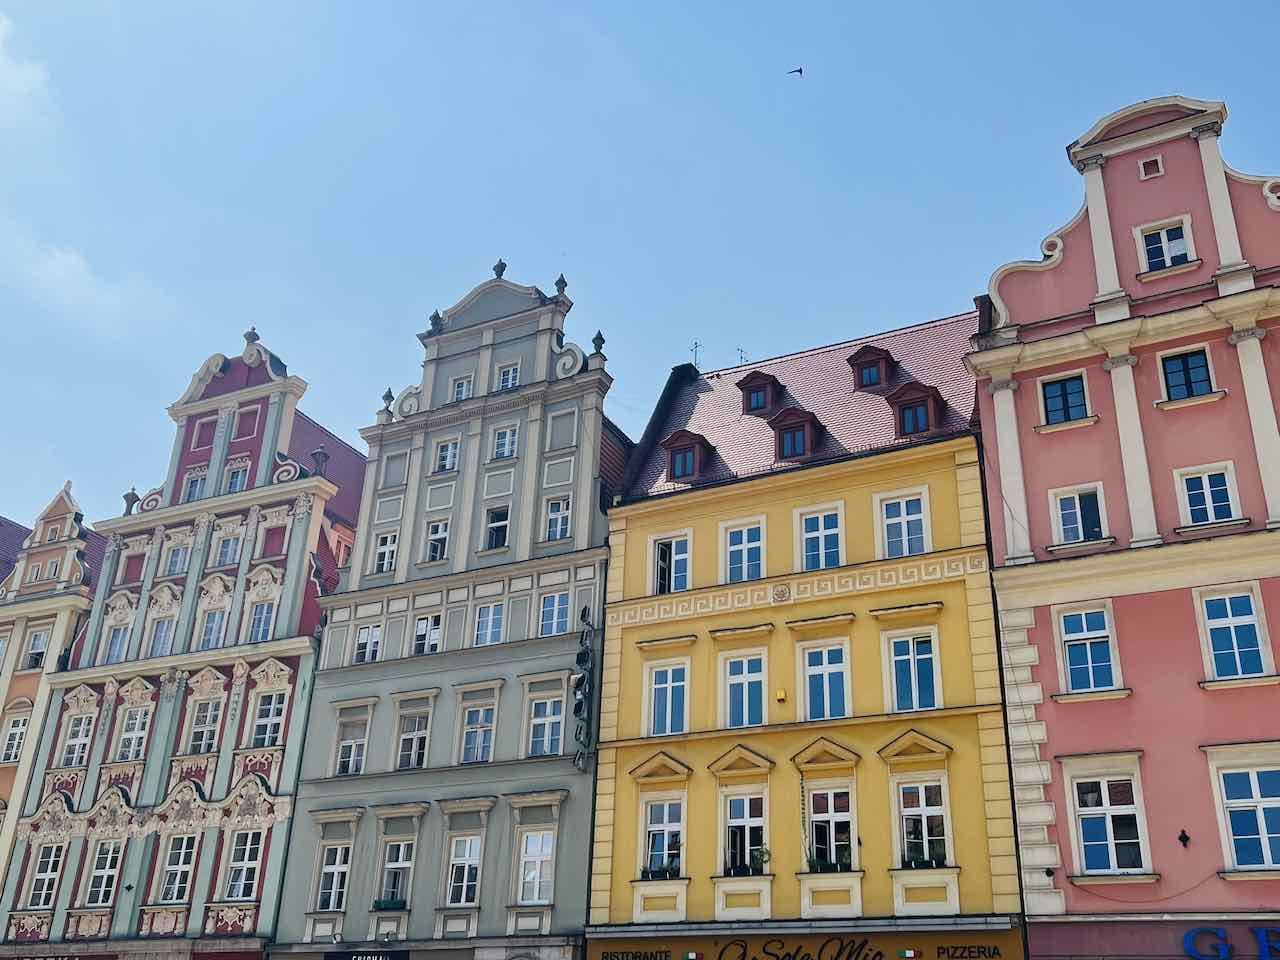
<point x="436" y="321"/>
<point x="320" y="460"/>
<point x="387" y="397"/>
<point x="131" y="500"/>
<point x="598" y="342"/>
<point x="251" y="335"/>
<point x="499" y="268"/>
<point x="561" y="283"/>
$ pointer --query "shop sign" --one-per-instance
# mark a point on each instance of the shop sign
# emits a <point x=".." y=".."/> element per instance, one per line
<point x="367" y="955"/>
<point x="851" y="946"/>
<point x="1215" y="943"/>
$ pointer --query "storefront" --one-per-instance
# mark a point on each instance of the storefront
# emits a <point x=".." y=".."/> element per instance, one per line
<point x="807" y="944"/>
<point x="1217" y="939"/>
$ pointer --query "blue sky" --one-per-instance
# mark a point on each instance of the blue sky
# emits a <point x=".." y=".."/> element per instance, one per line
<point x="332" y="172"/>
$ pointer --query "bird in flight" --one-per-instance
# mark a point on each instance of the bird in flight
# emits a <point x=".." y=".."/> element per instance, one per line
<point x="799" y="71"/>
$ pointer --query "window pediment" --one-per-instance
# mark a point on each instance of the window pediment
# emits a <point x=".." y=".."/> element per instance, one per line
<point x="687" y="454"/>
<point x="826" y="756"/>
<point x="871" y="367"/>
<point x="206" y="684"/>
<point x="740" y="763"/>
<point x="914" y="747"/>
<point x="795" y="433"/>
<point x="761" y="392"/>
<point x="270" y="675"/>
<point x="661" y="768"/>
<point x="917" y="409"/>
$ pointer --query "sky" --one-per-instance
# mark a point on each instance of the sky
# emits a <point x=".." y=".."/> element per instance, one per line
<point x="330" y="173"/>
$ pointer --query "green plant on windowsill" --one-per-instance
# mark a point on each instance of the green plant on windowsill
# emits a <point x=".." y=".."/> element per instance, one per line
<point x="389" y="904"/>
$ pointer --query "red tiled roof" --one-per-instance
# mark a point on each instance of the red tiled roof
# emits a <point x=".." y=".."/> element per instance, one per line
<point x="11" y="537"/>
<point x="822" y="382"/>
<point x="345" y="467"/>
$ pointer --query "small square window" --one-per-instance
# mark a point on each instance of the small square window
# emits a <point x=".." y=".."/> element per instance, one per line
<point x="446" y="456"/>
<point x="1186" y="375"/>
<point x="1151" y="167"/>
<point x="1208" y="496"/>
<point x="1079" y="516"/>
<point x="462" y="388"/>
<point x="1064" y="400"/>
<point x="793" y="443"/>
<point x="914" y="418"/>
<point x="869" y="375"/>
<point x="1165" y="247"/>
<point x="509" y="376"/>
<point x="757" y="399"/>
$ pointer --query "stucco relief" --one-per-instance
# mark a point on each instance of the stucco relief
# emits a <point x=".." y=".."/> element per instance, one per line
<point x="207" y="684"/>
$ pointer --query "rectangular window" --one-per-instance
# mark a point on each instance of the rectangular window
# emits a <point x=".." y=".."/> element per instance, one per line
<point x="437" y="540"/>
<point x="488" y="624"/>
<point x="228" y="551"/>
<point x="464" y="871"/>
<point x="242" y="872"/>
<point x="462" y="388"/>
<point x="914" y="686"/>
<point x="509" y="376"/>
<point x="1186" y="375"/>
<point x="75" y="750"/>
<point x="671" y="565"/>
<point x="1252" y="801"/>
<point x="666" y="700"/>
<point x="682" y="463"/>
<point x="1087" y="648"/>
<point x="260" y="621"/>
<point x="914" y="418"/>
<point x="497" y="522"/>
<point x="745" y="835"/>
<point x="545" y="719"/>
<point x="51" y="534"/>
<point x="446" y="456"/>
<point x="793" y="444"/>
<point x="426" y="635"/>
<point x="831" y="829"/>
<point x="555" y="615"/>
<point x="1166" y="247"/>
<point x="504" y="443"/>
<point x="869" y="375"/>
<point x="1079" y="516"/>
<point x="37" y="647"/>
<point x="335" y="863"/>
<point x="384" y="557"/>
<point x="1233" y="636"/>
<point x="745" y="548"/>
<point x="51" y="570"/>
<point x="162" y="637"/>
<point x="826" y="678"/>
<point x="14" y="737"/>
<point x="558" y="518"/>
<point x="1208" y="496"/>
<point x="537" y="852"/>
<point x="757" y="399"/>
<point x="34" y="573"/>
<point x="268" y="720"/>
<point x="178" y="861"/>
<point x="396" y="870"/>
<point x="924" y="825"/>
<point x="1064" y="399"/>
<point x="211" y="629"/>
<point x="744" y="680"/>
<point x="205" y="717"/>
<point x="116" y="642"/>
<point x="821" y="539"/>
<point x="415" y="727"/>
<point x="237" y="479"/>
<point x="368" y="643"/>
<point x="1107" y="823"/>
<point x="194" y="489"/>
<point x="102" y="880"/>
<point x="664" y="826"/>
<point x="44" y="880"/>
<point x="133" y="734"/>
<point x="353" y="737"/>
<point x="477" y="734"/>
<point x="903" y="520"/>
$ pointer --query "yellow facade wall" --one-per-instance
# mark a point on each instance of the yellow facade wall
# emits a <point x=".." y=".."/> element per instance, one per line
<point x="945" y="589"/>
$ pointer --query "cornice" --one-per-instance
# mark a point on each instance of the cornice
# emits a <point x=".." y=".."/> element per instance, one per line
<point x="46" y="604"/>
<point x="191" y="662"/>
<point x="137" y="523"/>
<point x="294" y="386"/>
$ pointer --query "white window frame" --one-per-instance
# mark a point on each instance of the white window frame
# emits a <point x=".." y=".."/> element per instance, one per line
<point x="878" y="503"/>
<point x="467" y="382"/>
<point x="100" y="885"/>
<point x="1254" y="589"/>
<point x="131" y="744"/>
<point x="831" y="786"/>
<point x="370" y="635"/>
<point x="338" y="872"/>
<point x="664" y="797"/>
<point x="218" y="551"/>
<point x="727" y="527"/>
<point x="244" y="867"/>
<point x="45" y="880"/>
<point x="200" y="481"/>
<point x="201" y="731"/>
<point x="798" y="516"/>
<point x="654" y="539"/>
<point x="921" y="778"/>
<point x="1239" y="758"/>
<point x="161" y="646"/>
<point x="466" y="860"/>
<point x="182" y="867"/>
<point x="30" y="649"/>
<point x="402" y="713"/>
<point x="1139" y="240"/>
<point x="490" y="525"/>
<point x="511" y="443"/>
<point x="396" y="500"/>
<point x="51" y="570"/>
<point x="259" y="629"/>
<point x="561" y="518"/>
<point x="33" y="572"/>
<point x="229" y="472"/>
<point x="530" y="737"/>
<point x="349" y="754"/>
<point x="195" y="433"/>
<point x="803" y="707"/>
<point x="1057" y="494"/>
<point x="1058" y="613"/>
<point x="445" y="455"/>
<point x="1083" y="374"/>
<point x="515" y="380"/>
<point x="207" y="639"/>
<point x="523" y="862"/>
<point x="479" y="703"/>
<point x="649" y="670"/>
<point x="1104" y="767"/>
<point x="435" y="523"/>
<point x="551" y="418"/>
<point x="887" y="637"/>
<point x="738" y="792"/>
<point x="385" y="548"/>
<point x="434" y="623"/>
<point x="1207" y="347"/>
<point x="1142" y="163"/>
<point x="240" y="414"/>
<point x="1226" y="467"/>
<point x="498" y="606"/>
<point x="272" y="726"/>
<point x="725" y="684"/>
<point x="397" y="846"/>
<point x="80" y="743"/>
<point x="15" y="736"/>
<point x="557" y="608"/>
<point x="52" y="532"/>
<point x="120" y="631"/>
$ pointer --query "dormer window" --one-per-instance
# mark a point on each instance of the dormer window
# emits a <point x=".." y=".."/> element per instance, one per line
<point x="914" y="418"/>
<point x="870" y="366"/>
<point x="917" y="409"/>
<point x="795" y="434"/>
<point x="761" y="392"/>
<point x="687" y="454"/>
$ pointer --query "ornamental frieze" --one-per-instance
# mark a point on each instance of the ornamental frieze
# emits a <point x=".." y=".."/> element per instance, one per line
<point x="818" y="585"/>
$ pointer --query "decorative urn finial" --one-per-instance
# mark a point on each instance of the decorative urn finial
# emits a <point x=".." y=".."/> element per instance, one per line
<point x="251" y="335"/>
<point x="386" y="400"/>
<point x="500" y="268"/>
<point x="598" y="342"/>
<point x="561" y="283"/>
<point x="130" y="501"/>
<point x="320" y="460"/>
<point x="436" y="321"/>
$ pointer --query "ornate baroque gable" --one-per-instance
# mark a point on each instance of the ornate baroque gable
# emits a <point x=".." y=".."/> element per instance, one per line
<point x="206" y="684"/>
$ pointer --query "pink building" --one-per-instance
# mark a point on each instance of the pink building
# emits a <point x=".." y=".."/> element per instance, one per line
<point x="1129" y="413"/>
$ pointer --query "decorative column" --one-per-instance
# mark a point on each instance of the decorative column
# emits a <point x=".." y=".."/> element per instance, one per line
<point x="270" y="441"/>
<point x="173" y="685"/>
<point x="221" y="443"/>
<point x="248" y="547"/>
<point x="1013" y="490"/>
<point x="530" y="485"/>
<point x="155" y="547"/>
<point x="210" y="848"/>
<point x="409" y="509"/>
<point x="588" y="468"/>
<point x="1234" y="273"/>
<point x="295" y="567"/>
<point x="175" y="455"/>
<point x="1111" y="303"/>
<point x="73" y="851"/>
<point x="1262" y="414"/>
<point x="202" y="532"/>
<point x="230" y="743"/>
<point x="43" y="755"/>
<point x="103" y="729"/>
<point x="1133" y="451"/>
<point x="469" y="479"/>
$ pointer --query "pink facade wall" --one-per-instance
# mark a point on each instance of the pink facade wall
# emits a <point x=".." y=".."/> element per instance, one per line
<point x="188" y="458"/>
<point x="1067" y="288"/>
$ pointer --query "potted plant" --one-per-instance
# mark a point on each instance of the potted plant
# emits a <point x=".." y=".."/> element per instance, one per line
<point x="759" y="859"/>
<point x="844" y="862"/>
<point x="387" y="904"/>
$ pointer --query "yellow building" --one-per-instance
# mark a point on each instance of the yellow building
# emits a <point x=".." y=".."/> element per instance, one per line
<point x="802" y="739"/>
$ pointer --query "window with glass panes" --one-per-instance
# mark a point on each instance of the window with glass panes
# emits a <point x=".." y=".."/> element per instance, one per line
<point x="903" y="520"/>
<point x="1233" y="636"/>
<point x="1166" y="247"/>
<point x="116" y="642"/>
<point x="509" y="377"/>
<point x="671" y="565"/>
<point x="461" y="388"/>
<point x="1186" y="375"/>
<point x="477" y="734"/>
<point x="666" y="699"/>
<point x="664" y="825"/>
<point x="1251" y="799"/>
<point x="260" y="621"/>
<point x="914" y="686"/>
<point x="397" y="868"/>
<point x="268" y="720"/>
<point x="133" y="734"/>
<point x="821" y="539"/>
<point x="464" y="871"/>
<point x="744" y="838"/>
<point x="1086" y="642"/>
<point x="211" y="629"/>
<point x="924" y="824"/>
<point x="177" y="561"/>
<point x="913" y="418"/>
<point x="831" y="827"/>
<point x="757" y="399"/>
<point x="102" y="878"/>
<point x="162" y="637"/>
<point x="1064" y="400"/>
<point x="545" y="721"/>
<point x="1208" y="496"/>
<point x="537" y="862"/>
<point x="415" y="727"/>
<point x="744" y="680"/>
<point x="335" y="864"/>
<point x="682" y="462"/>
<point x="825" y="678"/>
<point x="1107" y="825"/>
<point x="554" y="618"/>
<point x="37" y="646"/>
<point x="237" y="479"/>
<point x="384" y="557"/>
<point x="228" y="551"/>
<point x="504" y="443"/>
<point x="1079" y="516"/>
<point x="426" y="634"/>
<point x="14" y="737"/>
<point x="44" y="879"/>
<point x="368" y="643"/>
<point x="353" y="736"/>
<point x="204" y="726"/>
<point x="745" y="553"/>
<point x="497" y="525"/>
<point x="242" y="872"/>
<point x="446" y="456"/>
<point x="488" y="624"/>
<point x="437" y="540"/>
<point x="793" y="442"/>
<point x="194" y="489"/>
<point x="558" y="518"/>
<point x="178" y="862"/>
<point x="75" y="749"/>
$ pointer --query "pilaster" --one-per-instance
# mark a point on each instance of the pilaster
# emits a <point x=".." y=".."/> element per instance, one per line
<point x="227" y="747"/>
<point x="589" y="454"/>
<point x="103" y="731"/>
<point x="1133" y="450"/>
<point x="12" y="876"/>
<point x="1234" y="273"/>
<point x="1111" y="302"/>
<point x="67" y="883"/>
<point x="131" y="892"/>
<point x="44" y="751"/>
<point x="295" y="570"/>
<point x="171" y="475"/>
<point x="200" y="887"/>
<point x="248" y="547"/>
<point x="221" y="443"/>
<point x="409" y="511"/>
<point x="173" y="686"/>
<point x="1262" y="414"/>
<point x="183" y="630"/>
<point x="1013" y="490"/>
<point x="484" y="375"/>
<point x="155" y="547"/>
<point x="530" y="485"/>
<point x="472" y="443"/>
<point x="270" y="440"/>
<point x="360" y="551"/>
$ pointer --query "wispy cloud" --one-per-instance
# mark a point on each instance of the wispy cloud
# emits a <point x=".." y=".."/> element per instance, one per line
<point x="24" y="87"/>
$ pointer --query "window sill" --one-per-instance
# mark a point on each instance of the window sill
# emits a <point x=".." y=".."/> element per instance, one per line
<point x="1148" y="275"/>
<point x="438" y="474"/>
<point x="1273" y="874"/>
<point x="919" y="871"/>
<point x="1213" y="526"/>
<point x="1081" y="545"/>
<point x="838" y="873"/>
<point x="492" y="551"/>
<point x="1065" y="425"/>
<point x="433" y="563"/>
<point x="1190" y="401"/>
<point x="1084" y="696"/>
<point x="1230" y="683"/>
<point x="682" y="881"/>
<point x="498" y="461"/>
<point x="1104" y="879"/>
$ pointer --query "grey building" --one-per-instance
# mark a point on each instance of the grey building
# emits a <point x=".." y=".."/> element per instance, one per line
<point x="444" y="805"/>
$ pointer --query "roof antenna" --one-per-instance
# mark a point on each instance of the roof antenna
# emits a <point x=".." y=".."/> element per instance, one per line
<point x="742" y="356"/>
<point x="695" y="348"/>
